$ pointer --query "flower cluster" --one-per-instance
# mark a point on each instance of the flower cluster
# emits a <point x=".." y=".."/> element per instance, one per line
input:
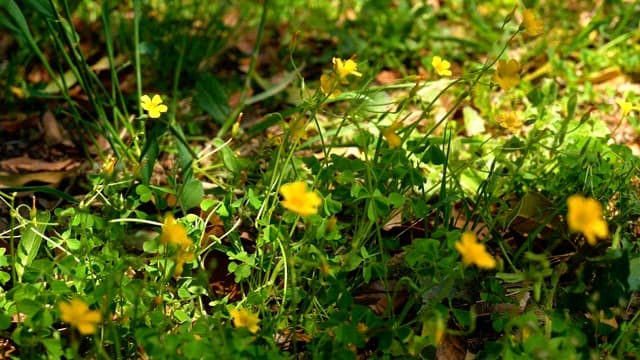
<point x="298" y="199"/>
<point x="77" y="314"/>
<point x="174" y="235"/>
<point x="507" y="74"/>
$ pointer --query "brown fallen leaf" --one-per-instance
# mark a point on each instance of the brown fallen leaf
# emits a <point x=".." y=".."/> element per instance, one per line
<point x="25" y="163"/>
<point x="386" y="77"/>
<point x="54" y="134"/>
<point x="47" y="177"/>
<point x="451" y="348"/>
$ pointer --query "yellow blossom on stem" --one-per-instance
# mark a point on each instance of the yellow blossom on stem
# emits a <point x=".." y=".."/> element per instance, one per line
<point x="509" y="120"/>
<point x="390" y="134"/>
<point x="183" y="256"/>
<point x="626" y="107"/>
<point x="343" y="68"/>
<point x="77" y="314"/>
<point x="507" y="74"/>
<point x="442" y="67"/>
<point x="153" y="106"/>
<point x="329" y="85"/>
<point x="474" y="252"/>
<point x="174" y="233"/>
<point x="297" y="199"/>
<point x="533" y="26"/>
<point x="243" y="318"/>
<point x="585" y="215"/>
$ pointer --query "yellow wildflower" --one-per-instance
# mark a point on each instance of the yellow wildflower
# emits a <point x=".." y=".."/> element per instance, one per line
<point x="343" y="68"/>
<point x="329" y="85"/>
<point x="509" y="120"/>
<point x="626" y="107"/>
<point x="474" y="252"/>
<point x="390" y="134"/>
<point x="243" y="318"/>
<point x="507" y="73"/>
<point x="442" y="67"/>
<point x="183" y="256"/>
<point x="174" y="233"/>
<point x="153" y="106"/>
<point x="298" y="199"/>
<point x="585" y="216"/>
<point x="533" y="26"/>
<point x="77" y="314"/>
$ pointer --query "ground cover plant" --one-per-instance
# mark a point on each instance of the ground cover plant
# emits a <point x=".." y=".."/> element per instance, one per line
<point x="334" y="179"/>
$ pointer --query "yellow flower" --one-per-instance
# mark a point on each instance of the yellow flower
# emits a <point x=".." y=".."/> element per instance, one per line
<point x="243" y="318"/>
<point x="441" y="66"/>
<point x="298" y="199"/>
<point x="585" y="216"/>
<point x="626" y="107"/>
<point x="153" y="106"/>
<point x="329" y="85"/>
<point x="77" y="314"/>
<point x="344" y="68"/>
<point x="183" y="256"/>
<point x="507" y="74"/>
<point x="509" y="120"/>
<point x="390" y="134"/>
<point x="474" y="252"/>
<point x="174" y="233"/>
<point x="533" y="26"/>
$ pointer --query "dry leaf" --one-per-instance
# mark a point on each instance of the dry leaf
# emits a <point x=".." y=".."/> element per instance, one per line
<point x="386" y="77"/>
<point x="53" y="133"/>
<point x="25" y="163"/>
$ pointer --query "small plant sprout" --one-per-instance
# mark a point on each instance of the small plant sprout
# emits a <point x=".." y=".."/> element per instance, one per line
<point x="507" y="74"/>
<point x="474" y="252"/>
<point x="153" y="106"/>
<point x="77" y="314"/>
<point x="585" y="216"/>
<point x="296" y="198"/>
<point x="442" y="67"/>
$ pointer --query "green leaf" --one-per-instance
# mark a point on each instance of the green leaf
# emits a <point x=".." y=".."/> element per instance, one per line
<point x="191" y="194"/>
<point x="43" y="7"/>
<point x="434" y="155"/>
<point x="229" y="159"/>
<point x="150" y="151"/>
<point x="30" y="241"/>
<point x="211" y="97"/>
<point x="634" y="274"/>
<point x="5" y="321"/>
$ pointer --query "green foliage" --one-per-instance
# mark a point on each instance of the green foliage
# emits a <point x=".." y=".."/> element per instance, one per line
<point x="183" y="220"/>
